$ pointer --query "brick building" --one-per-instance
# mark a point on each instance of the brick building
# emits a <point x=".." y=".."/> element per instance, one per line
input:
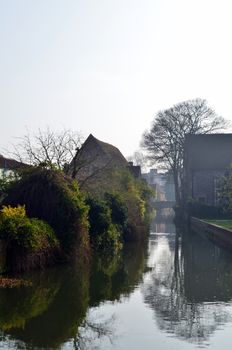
<point x="206" y="158"/>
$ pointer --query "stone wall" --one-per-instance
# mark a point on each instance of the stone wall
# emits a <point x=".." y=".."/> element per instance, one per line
<point x="217" y="234"/>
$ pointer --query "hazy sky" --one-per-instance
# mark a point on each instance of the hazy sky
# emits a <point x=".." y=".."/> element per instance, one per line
<point x="107" y="66"/>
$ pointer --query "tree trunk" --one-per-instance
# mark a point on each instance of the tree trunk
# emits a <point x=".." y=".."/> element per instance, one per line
<point x="177" y="187"/>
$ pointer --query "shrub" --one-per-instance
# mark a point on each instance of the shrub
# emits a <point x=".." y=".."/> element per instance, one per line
<point x="51" y="196"/>
<point x="31" y="234"/>
<point x="136" y="195"/>
<point x="131" y="193"/>
<point x="29" y="242"/>
<point x="18" y="212"/>
<point x="104" y="235"/>
<point x="5" y="183"/>
<point x="119" y="211"/>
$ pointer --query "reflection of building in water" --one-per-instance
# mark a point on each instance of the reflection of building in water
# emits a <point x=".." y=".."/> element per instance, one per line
<point x="162" y="183"/>
<point x="169" y="187"/>
<point x="190" y="287"/>
<point x="207" y="271"/>
<point x="164" y="227"/>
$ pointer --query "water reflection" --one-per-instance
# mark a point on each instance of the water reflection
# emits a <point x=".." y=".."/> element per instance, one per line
<point x="190" y="285"/>
<point x="185" y="281"/>
<point x="55" y="310"/>
<point x="92" y="330"/>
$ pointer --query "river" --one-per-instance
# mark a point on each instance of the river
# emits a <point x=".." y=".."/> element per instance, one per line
<point x="174" y="292"/>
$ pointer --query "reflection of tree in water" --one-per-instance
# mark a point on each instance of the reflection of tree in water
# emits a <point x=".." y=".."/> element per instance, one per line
<point x="190" y="282"/>
<point x="61" y="319"/>
<point x="60" y="307"/>
<point x="18" y="305"/>
<point x="93" y="331"/>
<point x="112" y="278"/>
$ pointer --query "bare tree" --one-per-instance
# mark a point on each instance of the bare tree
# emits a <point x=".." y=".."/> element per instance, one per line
<point x="138" y="158"/>
<point x="47" y="147"/>
<point x="165" y="140"/>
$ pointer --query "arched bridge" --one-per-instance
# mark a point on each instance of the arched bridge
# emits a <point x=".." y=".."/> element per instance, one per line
<point x="164" y="204"/>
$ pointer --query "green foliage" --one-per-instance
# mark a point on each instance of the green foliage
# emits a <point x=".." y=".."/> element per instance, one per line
<point x="129" y="201"/>
<point x="119" y="211"/>
<point x="3" y="185"/>
<point x="6" y="181"/>
<point x="19" y="305"/>
<point x="222" y="223"/>
<point x="115" y="275"/>
<point x="226" y="191"/>
<point x="30" y="234"/>
<point x="55" y="198"/>
<point x="104" y="235"/>
<point x="136" y="195"/>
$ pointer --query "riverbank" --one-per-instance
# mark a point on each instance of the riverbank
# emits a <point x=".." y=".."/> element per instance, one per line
<point x="213" y="230"/>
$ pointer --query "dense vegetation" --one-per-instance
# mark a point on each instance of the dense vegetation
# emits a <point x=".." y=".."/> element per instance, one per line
<point x="29" y="242"/>
<point x="128" y="199"/>
<point x="104" y="234"/>
<point x="51" y="196"/>
<point x="119" y="209"/>
<point x="65" y="222"/>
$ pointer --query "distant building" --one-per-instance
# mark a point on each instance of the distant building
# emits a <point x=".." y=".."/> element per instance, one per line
<point x="169" y="187"/>
<point x="135" y="170"/>
<point x="162" y="183"/>
<point x="95" y="157"/>
<point x="206" y="158"/>
<point x="8" y="166"/>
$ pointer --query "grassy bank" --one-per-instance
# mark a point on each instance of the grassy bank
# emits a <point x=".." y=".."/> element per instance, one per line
<point x="222" y="223"/>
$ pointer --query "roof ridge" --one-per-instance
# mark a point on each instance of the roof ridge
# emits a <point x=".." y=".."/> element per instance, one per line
<point x="101" y="144"/>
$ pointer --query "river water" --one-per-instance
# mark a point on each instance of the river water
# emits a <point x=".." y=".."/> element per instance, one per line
<point x="174" y="292"/>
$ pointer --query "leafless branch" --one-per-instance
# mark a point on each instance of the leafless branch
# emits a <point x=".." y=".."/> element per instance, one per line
<point x="55" y="149"/>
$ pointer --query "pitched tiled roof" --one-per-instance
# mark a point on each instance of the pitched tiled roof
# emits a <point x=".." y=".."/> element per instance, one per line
<point x="111" y="151"/>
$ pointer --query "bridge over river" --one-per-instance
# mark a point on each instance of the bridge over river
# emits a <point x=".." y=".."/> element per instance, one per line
<point x="164" y="204"/>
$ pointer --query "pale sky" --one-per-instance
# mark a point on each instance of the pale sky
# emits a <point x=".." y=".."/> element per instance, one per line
<point x="106" y="67"/>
